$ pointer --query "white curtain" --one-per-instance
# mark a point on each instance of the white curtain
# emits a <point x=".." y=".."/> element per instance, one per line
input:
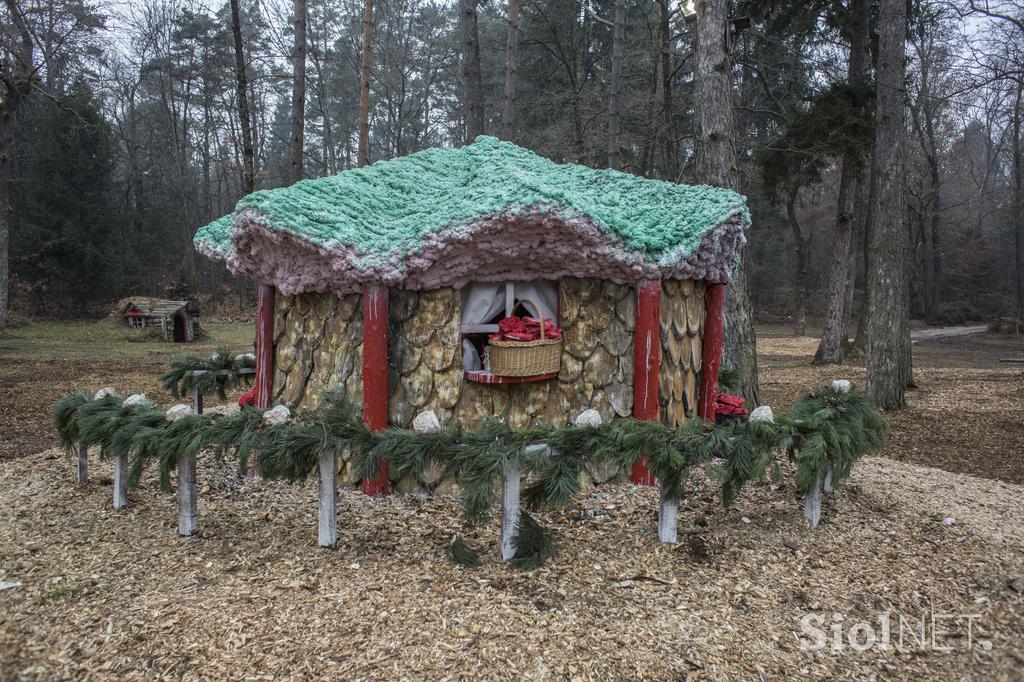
<point x="542" y="292"/>
<point x="482" y="301"/>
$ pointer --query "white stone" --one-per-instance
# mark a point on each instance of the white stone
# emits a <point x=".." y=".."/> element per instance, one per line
<point x="762" y="413"/>
<point x="244" y="360"/>
<point x="277" y="415"/>
<point x="177" y="412"/>
<point x="426" y="422"/>
<point x="104" y="392"/>
<point x="589" y="417"/>
<point x="137" y="399"/>
<point x="842" y="385"/>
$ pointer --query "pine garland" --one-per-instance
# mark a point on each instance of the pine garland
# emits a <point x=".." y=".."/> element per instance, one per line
<point x="533" y="545"/>
<point x="65" y="417"/>
<point x="182" y="379"/>
<point x="826" y="431"/>
<point x="461" y="554"/>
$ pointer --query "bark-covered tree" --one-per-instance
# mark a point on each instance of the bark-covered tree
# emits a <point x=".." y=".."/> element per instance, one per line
<point x="508" y="110"/>
<point x="717" y="167"/>
<point x="298" y="117"/>
<point x="472" y="85"/>
<point x="888" y="335"/>
<point x="242" y="93"/>
<point x="840" y="284"/>
<point x="363" y="154"/>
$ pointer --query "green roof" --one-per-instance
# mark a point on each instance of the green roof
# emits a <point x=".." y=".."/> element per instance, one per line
<point x="381" y="223"/>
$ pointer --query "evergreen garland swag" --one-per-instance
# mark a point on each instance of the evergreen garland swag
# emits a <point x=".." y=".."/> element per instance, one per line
<point x="221" y="370"/>
<point x="826" y="431"/>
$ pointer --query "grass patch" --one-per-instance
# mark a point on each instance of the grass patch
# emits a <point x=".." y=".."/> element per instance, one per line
<point x="108" y="340"/>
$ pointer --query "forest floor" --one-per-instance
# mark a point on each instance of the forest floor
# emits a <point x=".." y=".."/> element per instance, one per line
<point x="117" y="594"/>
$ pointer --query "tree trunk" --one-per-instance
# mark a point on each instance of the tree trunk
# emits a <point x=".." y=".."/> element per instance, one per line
<point x="800" y="273"/>
<point x="18" y="75"/>
<point x="667" y="69"/>
<point x="833" y="336"/>
<point x="508" y="110"/>
<point x="298" y="121"/>
<point x="615" y="93"/>
<point x="5" y="212"/>
<point x="717" y="167"/>
<point x="856" y="239"/>
<point x="888" y="342"/>
<point x="363" y="152"/>
<point x="1018" y="213"/>
<point x="472" y="88"/>
<point x="242" y="91"/>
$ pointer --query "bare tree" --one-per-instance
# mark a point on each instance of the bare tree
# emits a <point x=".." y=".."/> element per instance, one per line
<point x="717" y="167"/>
<point x="18" y="76"/>
<point x="472" y="87"/>
<point x="1018" y="207"/>
<point x="888" y="335"/>
<point x="298" y="121"/>
<point x="363" y="154"/>
<point x="242" y="91"/>
<point x="615" y="89"/>
<point x="833" y="337"/>
<point x="508" y="111"/>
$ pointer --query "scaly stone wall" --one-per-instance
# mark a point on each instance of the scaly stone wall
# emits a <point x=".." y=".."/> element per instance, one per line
<point x="319" y="347"/>
<point x="682" y="339"/>
<point x="318" y="341"/>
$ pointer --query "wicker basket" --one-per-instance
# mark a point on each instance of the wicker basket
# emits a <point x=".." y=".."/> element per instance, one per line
<point x="526" y="358"/>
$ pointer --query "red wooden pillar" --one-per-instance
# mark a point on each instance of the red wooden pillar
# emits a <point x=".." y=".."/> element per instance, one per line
<point x="646" y="363"/>
<point x="711" y="355"/>
<point x="265" y="345"/>
<point x="375" y="375"/>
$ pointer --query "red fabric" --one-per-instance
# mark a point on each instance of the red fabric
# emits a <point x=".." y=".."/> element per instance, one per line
<point x="525" y="329"/>
<point x="730" y="405"/>
<point x="248" y="399"/>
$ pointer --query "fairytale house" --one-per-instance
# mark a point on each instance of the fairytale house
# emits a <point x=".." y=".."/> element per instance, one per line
<point x="178" y="320"/>
<point x="388" y="283"/>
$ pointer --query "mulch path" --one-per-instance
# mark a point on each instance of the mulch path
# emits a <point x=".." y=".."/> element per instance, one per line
<point x="118" y="594"/>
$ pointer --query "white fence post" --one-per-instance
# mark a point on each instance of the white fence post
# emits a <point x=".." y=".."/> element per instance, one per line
<point x="82" y="474"/>
<point x="509" y="512"/>
<point x="668" y="511"/>
<point x="327" y="521"/>
<point x="812" y="504"/>
<point x="120" y="482"/>
<point x="188" y="511"/>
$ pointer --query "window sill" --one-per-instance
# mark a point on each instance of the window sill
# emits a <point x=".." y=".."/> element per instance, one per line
<point x="480" y="376"/>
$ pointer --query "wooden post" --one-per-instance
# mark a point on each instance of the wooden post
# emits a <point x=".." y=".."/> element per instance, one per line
<point x="509" y="512"/>
<point x="375" y="375"/>
<point x="188" y="522"/>
<point x="646" y="363"/>
<point x="120" y="482"/>
<point x="327" y="519"/>
<point x="812" y="504"/>
<point x="265" y="345"/>
<point x="83" y="463"/>
<point x="711" y="355"/>
<point x="668" y="512"/>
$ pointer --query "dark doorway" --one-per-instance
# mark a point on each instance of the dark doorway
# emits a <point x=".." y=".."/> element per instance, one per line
<point x="180" y="335"/>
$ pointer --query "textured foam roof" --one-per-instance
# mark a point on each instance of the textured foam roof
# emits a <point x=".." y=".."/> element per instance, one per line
<point x="436" y="217"/>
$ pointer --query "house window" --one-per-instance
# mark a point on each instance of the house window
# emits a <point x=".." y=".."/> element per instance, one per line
<point x="484" y="304"/>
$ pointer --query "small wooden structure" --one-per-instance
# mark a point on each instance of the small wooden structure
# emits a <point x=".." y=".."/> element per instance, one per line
<point x="178" y="320"/>
<point x="385" y="283"/>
